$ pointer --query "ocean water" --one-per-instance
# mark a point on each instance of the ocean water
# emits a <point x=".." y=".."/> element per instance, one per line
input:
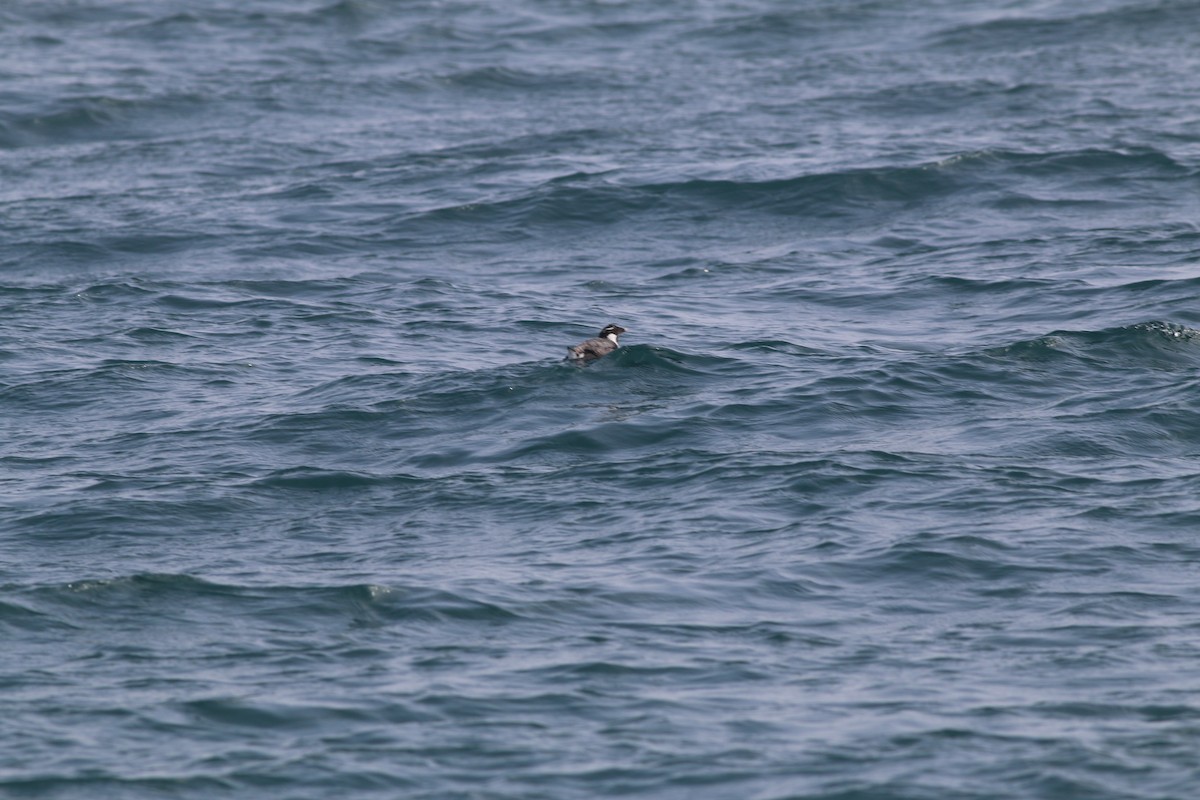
<point x="891" y="493"/>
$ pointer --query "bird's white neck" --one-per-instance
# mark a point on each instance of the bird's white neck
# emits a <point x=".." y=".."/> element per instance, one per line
<point x="612" y="337"/>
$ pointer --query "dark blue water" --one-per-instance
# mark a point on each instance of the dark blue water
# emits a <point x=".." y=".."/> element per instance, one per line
<point x="892" y="492"/>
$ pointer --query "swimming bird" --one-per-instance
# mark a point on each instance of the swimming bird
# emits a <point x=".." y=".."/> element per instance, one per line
<point x="602" y="345"/>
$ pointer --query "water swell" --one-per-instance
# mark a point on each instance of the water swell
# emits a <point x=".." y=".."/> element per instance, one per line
<point x="1026" y="32"/>
<point x="1004" y="178"/>
<point x="88" y="118"/>
<point x="1147" y="345"/>
<point x="161" y="598"/>
<point x="324" y="480"/>
<point x="587" y="200"/>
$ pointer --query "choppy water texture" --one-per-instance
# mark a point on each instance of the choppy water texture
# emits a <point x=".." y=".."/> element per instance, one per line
<point x="892" y="494"/>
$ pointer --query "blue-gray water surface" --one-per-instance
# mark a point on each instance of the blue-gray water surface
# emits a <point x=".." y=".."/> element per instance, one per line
<point x="891" y="493"/>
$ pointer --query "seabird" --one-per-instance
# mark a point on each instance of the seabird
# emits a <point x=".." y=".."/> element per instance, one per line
<point x="602" y="345"/>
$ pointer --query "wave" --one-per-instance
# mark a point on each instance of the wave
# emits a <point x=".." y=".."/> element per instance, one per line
<point x="936" y="97"/>
<point x="98" y="117"/>
<point x="1154" y="344"/>
<point x="995" y="176"/>
<point x="484" y="415"/>
<point x="1113" y="26"/>
<point x="139" y="382"/>
<point x="162" y="597"/>
<point x="317" y="479"/>
<point x="1009" y="181"/>
<point x="507" y="78"/>
<point x="775" y="346"/>
<point x="646" y="397"/>
<point x="582" y="198"/>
